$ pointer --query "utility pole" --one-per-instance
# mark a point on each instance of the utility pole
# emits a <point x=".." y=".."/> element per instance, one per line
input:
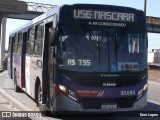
<point x="145" y="6"/>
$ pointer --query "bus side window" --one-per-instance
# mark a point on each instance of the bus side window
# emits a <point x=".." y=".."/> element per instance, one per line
<point x="53" y="37"/>
<point x="30" y="42"/>
<point x="53" y="41"/>
<point x="9" y="46"/>
<point x="38" y="40"/>
<point x="19" y="45"/>
<point x="15" y="39"/>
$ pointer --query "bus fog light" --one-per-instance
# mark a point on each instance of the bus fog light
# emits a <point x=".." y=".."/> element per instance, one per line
<point x="63" y="88"/>
<point x="145" y="87"/>
<point x="140" y="92"/>
<point x="72" y="94"/>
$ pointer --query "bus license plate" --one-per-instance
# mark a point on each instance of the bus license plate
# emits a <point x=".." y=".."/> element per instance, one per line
<point x="109" y="106"/>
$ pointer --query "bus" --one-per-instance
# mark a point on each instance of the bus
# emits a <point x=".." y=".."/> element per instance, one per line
<point x="82" y="57"/>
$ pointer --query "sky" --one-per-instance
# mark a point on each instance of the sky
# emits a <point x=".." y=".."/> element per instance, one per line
<point x="153" y="8"/>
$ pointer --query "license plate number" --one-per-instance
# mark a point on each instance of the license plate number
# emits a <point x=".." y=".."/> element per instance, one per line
<point x="109" y="106"/>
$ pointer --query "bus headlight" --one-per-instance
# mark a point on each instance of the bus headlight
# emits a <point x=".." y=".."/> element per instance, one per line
<point x="68" y="92"/>
<point x="63" y="88"/>
<point x="141" y="91"/>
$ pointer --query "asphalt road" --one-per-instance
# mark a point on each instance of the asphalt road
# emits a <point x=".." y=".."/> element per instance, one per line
<point x="23" y="102"/>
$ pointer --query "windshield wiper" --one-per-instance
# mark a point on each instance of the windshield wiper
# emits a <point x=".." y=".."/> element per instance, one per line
<point x="123" y="35"/>
<point x="116" y="47"/>
<point x="118" y="42"/>
<point x="96" y="44"/>
<point x="93" y="41"/>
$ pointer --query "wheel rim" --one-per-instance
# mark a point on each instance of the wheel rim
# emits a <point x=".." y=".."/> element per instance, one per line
<point x="40" y="96"/>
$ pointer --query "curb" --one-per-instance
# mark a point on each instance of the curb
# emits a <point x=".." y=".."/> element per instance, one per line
<point x="1" y="70"/>
<point x="155" y="80"/>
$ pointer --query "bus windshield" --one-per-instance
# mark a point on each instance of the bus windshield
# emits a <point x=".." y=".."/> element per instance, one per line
<point x="102" y="49"/>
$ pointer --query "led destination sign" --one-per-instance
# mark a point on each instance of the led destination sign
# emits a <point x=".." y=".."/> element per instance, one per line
<point x="104" y="15"/>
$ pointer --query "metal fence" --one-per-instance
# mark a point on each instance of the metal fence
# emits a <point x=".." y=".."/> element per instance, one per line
<point x="39" y="7"/>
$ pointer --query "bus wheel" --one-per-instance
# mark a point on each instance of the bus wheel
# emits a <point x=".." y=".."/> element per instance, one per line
<point x="41" y="106"/>
<point x="16" y="87"/>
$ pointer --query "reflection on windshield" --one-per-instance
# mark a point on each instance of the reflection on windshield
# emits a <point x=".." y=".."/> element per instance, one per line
<point x="95" y="49"/>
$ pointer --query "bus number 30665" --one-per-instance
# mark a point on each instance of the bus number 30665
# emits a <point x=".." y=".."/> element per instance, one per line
<point x="127" y="92"/>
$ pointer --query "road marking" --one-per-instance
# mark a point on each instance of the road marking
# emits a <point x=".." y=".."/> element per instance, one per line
<point x="154" y="102"/>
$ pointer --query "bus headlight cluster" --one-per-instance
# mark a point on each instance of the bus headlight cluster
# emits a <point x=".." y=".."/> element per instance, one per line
<point x="68" y="92"/>
<point x="141" y="91"/>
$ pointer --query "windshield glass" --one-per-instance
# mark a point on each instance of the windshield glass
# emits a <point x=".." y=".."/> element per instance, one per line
<point x="97" y="49"/>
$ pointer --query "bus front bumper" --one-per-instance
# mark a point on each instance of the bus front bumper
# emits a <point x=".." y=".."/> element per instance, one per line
<point x="64" y="103"/>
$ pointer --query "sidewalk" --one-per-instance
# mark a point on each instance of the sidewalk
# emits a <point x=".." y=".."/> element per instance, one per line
<point x="7" y="110"/>
<point x="5" y="105"/>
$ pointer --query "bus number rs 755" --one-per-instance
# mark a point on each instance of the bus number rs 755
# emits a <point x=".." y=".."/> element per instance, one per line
<point x="80" y="62"/>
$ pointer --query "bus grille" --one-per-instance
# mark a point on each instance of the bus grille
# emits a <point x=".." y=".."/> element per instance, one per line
<point x="93" y="103"/>
<point x="119" y="81"/>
